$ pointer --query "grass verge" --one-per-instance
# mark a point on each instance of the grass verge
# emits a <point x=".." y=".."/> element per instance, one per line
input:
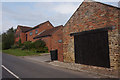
<point x="19" y="52"/>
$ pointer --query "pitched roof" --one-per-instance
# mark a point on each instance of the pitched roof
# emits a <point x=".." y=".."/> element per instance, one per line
<point x="39" y="25"/>
<point x="48" y="32"/>
<point x="24" y="28"/>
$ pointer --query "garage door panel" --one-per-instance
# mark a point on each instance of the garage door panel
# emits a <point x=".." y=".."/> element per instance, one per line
<point x="92" y="49"/>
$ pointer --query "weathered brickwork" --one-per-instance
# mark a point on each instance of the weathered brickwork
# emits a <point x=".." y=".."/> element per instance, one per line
<point x="41" y="28"/>
<point x="55" y="44"/>
<point x="22" y="31"/>
<point x="53" y="39"/>
<point x="51" y="36"/>
<point x="21" y="35"/>
<point x="119" y="41"/>
<point x="113" y="48"/>
<point x="47" y="40"/>
<point x="69" y="53"/>
<point x="17" y="37"/>
<point x="93" y="15"/>
<point x="52" y="42"/>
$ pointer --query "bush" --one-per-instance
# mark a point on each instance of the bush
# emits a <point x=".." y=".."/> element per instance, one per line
<point x="14" y="46"/>
<point x="27" y="45"/>
<point x="46" y="49"/>
<point x="40" y="46"/>
<point x="21" y="45"/>
<point x="39" y="43"/>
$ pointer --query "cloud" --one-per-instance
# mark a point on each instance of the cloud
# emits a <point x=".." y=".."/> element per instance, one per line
<point x="31" y="14"/>
<point x="24" y="16"/>
<point x="40" y="0"/>
<point x="108" y="0"/>
<point x="66" y="8"/>
<point x="55" y="0"/>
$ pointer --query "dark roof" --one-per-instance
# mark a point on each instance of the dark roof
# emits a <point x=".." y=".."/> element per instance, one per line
<point x="93" y="31"/>
<point x="24" y="28"/>
<point x="48" y="32"/>
<point x="39" y="25"/>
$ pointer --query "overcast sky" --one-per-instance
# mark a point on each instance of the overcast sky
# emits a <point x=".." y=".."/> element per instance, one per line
<point x="33" y="13"/>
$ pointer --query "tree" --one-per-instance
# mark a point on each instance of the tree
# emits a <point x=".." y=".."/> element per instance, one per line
<point x="0" y="41"/>
<point x="8" y="38"/>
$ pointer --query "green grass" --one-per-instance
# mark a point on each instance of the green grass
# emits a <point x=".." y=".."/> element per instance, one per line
<point x="19" y="52"/>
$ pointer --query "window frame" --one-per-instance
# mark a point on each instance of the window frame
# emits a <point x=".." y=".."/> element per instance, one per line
<point x="36" y="32"/>
<point x="31" y="33"/>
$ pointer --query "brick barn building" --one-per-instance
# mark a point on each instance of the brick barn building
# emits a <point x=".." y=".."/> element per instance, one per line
<point x="28" y="33"/>
<point x="20" y="33"/>
<point x="44" y="31"/>
<point x="91" y="36"/>
<point x="53" y="39"/>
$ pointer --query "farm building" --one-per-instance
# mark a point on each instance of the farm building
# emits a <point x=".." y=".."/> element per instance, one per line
<point x="28" y="33"/>
<point x="53" y="39"/>
<point x="91" y="36"/>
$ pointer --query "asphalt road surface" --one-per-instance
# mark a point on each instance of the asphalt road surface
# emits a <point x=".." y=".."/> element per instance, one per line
<point x="16" y="67"/>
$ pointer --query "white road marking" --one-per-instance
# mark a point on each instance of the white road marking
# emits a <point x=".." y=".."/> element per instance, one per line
<point x="10" y="72"/>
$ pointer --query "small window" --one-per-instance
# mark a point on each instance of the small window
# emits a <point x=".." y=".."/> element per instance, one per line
<point x="60" y="41"/>
<point x="30" y="33"/>
<point x="36" y="31"/>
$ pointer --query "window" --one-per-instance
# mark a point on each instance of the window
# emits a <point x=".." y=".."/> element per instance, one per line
<point x="26" y="37"/>
<point x="60" y="41"/>
<point x="30" y="33"/>
<point x="36" y="31"/>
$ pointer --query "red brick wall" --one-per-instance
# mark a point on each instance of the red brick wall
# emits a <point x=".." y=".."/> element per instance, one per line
<point x="40" y="29"/>
<point x="53" y="44"/>
<point x="47" y="40"/>
<point x="17" y="33"/>
<point x="21" y="35"/>
<point x="93" y="15"/>
<point x="56" y="45"/>
<point x="90" y="15"/>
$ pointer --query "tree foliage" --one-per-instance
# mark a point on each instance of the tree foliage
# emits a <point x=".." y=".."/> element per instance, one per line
<point x="0" y="42"/>
<point x="8" y="38"/>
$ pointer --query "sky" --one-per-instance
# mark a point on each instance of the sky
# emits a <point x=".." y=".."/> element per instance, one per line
<point x="31" y="13"/>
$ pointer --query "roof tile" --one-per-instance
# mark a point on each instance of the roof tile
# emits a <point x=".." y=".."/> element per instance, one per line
<point x="48" y="32"/>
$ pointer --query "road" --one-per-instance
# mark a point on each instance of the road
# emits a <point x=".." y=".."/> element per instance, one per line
<point x="24" y="68"/>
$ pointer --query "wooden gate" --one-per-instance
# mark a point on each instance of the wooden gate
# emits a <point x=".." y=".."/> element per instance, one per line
<point x="91" y="48"/>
